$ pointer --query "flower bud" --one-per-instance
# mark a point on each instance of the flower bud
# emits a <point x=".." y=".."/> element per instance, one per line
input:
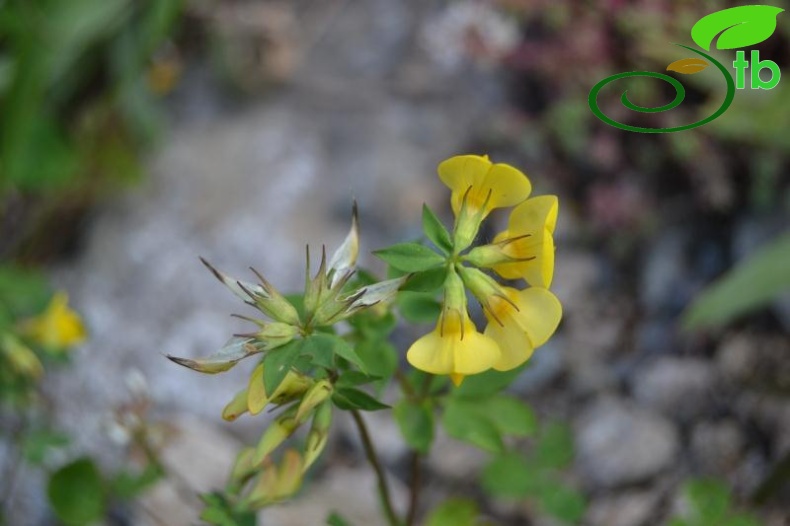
<point x="319" y="433"/>
<point x="236" y="407"/>
<point x="276" y="334"/>
<point x="292" y="386"/>
<point x="275" y="434"/>
<point x="320" y="391"/>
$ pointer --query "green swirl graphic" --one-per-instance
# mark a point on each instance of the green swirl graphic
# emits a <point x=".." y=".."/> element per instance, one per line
<point x="680" y="94"/>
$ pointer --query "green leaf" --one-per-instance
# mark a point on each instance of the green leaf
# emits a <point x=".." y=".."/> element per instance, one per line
<point x="410" y="257"/>
<point x="741" y="519"/>
<point x="426" y="281"/>
<point x="510" y="415"/>
<point x="752" y="284"/>
<point x="335" y="519"/>
<point x="277" y="363"/>
<point x="127" y="485"/>
<point x="454" y="512"/>
<point x="354" y="378"/>
<point x="37" y="444"/>
<point x="76" y="492"/>
<point x="335" y="345"/>
<point x="380" y="358"/>
<point x="351" y="398"/>
<point x="320" y="355"/>
<point x="220" y="512"/>
<point x="710" y="499"/>
<point x="419" y="307"/>
<point x="487" y="383"/>
<point x="416" y="424"/>
<point x="435" y="230"/>
<point x="555" y="446"/>
<point x="511" y="475"/>
<point x="464" y="422"/>
<point x="741" y="26"/>
<point x="23" y="292"/>
<point x="562" y="502"/>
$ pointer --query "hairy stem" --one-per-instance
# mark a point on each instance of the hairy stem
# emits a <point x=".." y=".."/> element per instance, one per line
<point x="370" y="453"/>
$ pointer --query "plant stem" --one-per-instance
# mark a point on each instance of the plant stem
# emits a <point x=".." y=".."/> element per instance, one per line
<point x="370" y="452"/>
<point x="414" y="484"/>
<point x="416" y="463"/>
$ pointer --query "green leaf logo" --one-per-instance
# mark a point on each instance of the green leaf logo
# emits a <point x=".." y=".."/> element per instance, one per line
<point x="741" y="26"/>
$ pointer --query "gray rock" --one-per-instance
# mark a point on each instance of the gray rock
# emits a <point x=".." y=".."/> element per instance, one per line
<point x="349" y="491"/>
<point x="619" y="444"/>
<point x="678" y="387"/>
<point x="717" y="446"/>
<point x="197" y="458"/>
<point x="631" y="508"/>
<point x="455" y="460"/>
<point x="665" y="280"/>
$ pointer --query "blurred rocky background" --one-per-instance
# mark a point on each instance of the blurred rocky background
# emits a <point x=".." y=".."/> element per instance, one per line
<point x="137" y="136"/>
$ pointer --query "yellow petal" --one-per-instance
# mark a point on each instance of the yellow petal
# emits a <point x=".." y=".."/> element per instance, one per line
<point x="506" y="185"/>
<point x="460" y="173"/>
<point x="539" y="271"/>
<point x="457" y="379"/>
<point x="431" y="354"/>
<point x="513" y="342"/>
<point x="523" y="328"/>
<point x="539" y="314"/>
<point x="535" y="214"/>
<point x="475" y="353"/>
<point x="450" y="350"/>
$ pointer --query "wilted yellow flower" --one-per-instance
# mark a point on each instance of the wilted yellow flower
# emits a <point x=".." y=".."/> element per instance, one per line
<point x="58" y="327"/>
<point x="454" y="347"/>
<point x="520" y="321"/>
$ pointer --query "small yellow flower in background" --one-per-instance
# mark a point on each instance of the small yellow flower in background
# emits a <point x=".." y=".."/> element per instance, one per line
<point x="520" y="321"/>
<point x="58" y="327"/>
<point x="454" y="347"/>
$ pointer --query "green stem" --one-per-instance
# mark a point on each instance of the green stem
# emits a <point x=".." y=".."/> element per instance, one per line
<point x="370" y="453"/>
<point x="415" y="481"/>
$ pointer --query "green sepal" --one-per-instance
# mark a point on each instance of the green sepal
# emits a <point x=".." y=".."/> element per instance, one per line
<point x="410" y="257"/>
<point x="436" y="231"/>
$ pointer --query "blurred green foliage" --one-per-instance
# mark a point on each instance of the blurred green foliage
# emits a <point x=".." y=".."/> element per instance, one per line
<point x="708" y="503"/>
<point x="537" y="475"/>
<point x="754" y="283"/>
<point x="78" y="100"/>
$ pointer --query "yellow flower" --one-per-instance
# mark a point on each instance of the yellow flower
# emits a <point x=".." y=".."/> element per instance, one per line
<point x="483" y="185"/>
<point x="58" y="327"/>
<point x="520" y="321"/>
<point x="529" y="242"/>
<point x="478" y="186"/>
<point x="454" y="347"/>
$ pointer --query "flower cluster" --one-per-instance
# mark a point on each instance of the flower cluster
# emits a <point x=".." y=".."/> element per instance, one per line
<point x="519" y="320"/>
